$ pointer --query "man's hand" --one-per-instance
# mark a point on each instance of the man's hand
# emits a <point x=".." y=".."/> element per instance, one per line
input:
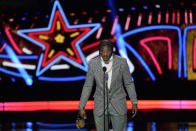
<point x="134" y="110"/>
<point x="80" y="120"/>
<point x="82" y="113"/>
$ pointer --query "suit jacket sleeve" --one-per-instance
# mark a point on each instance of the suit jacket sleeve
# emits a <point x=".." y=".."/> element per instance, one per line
<point x="87" y="88"/>
<point x="128" y="82"/>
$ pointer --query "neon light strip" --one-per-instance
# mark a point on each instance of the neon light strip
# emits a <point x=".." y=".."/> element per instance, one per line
<point x="73" y="105"/>
<point x="27" y="78"/>
<point x="146" y="67"/>
<point x="99" y="32"/>
<point x="61" y="79"/>
<point x="45" y="37"/>
<point x="188" y="104"/>
<point x="3" y="47"/>
<point x="194" y="54"/>
<point x="159" y="18"/>
<point x="139" y="20"/>
<point x="11" y="73"/>
<point x="186" y="29"/>
<point x="57" y="125"/>
<point x="152" y="56"/>
<point x="26" y="51"/>
<point x="191" y="17"/>
<point x="18" y="50"/>
<point x="127" y="22"/>
<point x="90" y="46"/>
<point x="24" y="57"/>
<point x="186" y="17"/>
<point x="121" y="43"/>
<point x="150" y="18"/>
<point x="169" y="45"/>
<point x="25" y="66"/>
<point x="92" y="55"/>
<point x="114" y="25"/>
<point x="58" y="26"/>
<point x="167" y="17"/>
<point x="74" y="34"/>
<point x="59" y="67"/>
<point x="32" y="67"/>
<point x="178" y="17"/>
<point x="130" y="64"/>
<point x="158" y="27"/>
<point x="52" y="52"/>
<point x="173" y="17"/>
<point x="1" y="106"/>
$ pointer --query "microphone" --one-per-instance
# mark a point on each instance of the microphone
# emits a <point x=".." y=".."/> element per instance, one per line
<point x="104" y="69"/>
<point x="106" y="75"/>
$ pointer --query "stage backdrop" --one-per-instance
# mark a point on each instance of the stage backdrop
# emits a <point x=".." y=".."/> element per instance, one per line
<point x="44" y="51"/>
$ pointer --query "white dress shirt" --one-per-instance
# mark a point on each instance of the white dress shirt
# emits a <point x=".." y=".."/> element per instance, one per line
<point x="108" y="70"/>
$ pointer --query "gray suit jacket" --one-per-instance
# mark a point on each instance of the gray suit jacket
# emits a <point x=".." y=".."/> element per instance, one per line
<point x="117" y="95"/>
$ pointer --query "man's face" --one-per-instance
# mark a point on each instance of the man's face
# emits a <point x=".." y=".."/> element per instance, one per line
<point x="106" y="53"/>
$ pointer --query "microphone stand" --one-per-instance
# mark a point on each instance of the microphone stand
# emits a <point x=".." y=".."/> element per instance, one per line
<point x="104" y="70"/>
<point x="105" y="87"/>
<point x="107" y="100"/>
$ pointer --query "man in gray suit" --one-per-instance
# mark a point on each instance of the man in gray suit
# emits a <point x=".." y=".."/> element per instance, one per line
<point x="118" y="77"/>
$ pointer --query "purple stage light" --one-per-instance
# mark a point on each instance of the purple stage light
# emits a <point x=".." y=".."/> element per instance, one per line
<point x="145" y="7"/>
<point x="133" y="8"/>
<point x="23" y="18"/>
<point x="121" y="9"/>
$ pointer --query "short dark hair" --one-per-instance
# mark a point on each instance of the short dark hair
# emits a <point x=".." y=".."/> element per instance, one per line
<point x="106" y="42"/>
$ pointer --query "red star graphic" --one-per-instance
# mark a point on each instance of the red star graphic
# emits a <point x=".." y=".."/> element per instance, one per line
<point x="50" y="33"/>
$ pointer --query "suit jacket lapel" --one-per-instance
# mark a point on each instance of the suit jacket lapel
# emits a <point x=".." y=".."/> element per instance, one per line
<point x="100" y="70"/>
<point x="114" y="70"/>
<point x="99" y="65"/>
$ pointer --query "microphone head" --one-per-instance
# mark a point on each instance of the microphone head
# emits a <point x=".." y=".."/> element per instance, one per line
<point x="104" y="69"/>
